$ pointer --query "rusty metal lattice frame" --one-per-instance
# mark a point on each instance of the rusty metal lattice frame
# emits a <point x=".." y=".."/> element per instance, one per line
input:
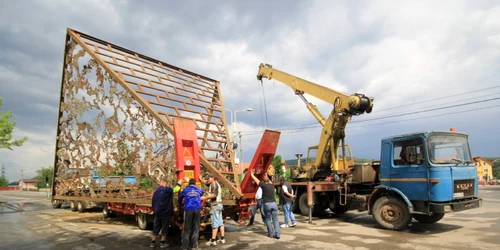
<point x="168" y="92"/>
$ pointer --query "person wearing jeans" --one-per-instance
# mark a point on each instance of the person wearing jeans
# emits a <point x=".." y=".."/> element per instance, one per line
<point x="191" y="197"/>
<point x="258" y="198"/>
<point x="286" y="198"/>
<point x="270" y="206"/>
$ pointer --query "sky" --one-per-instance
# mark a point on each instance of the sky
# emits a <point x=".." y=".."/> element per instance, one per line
<point x="429" y="65"/>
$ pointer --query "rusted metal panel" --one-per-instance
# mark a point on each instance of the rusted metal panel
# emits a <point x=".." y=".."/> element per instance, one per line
<point x="115" y="119"/>
<point x="261" y="161"/>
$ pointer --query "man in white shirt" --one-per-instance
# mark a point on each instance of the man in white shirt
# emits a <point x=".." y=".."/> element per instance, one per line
<point x="258" y="198"/>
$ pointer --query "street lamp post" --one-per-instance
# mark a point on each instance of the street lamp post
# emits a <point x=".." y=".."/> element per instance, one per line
<point x="233" y="122"/>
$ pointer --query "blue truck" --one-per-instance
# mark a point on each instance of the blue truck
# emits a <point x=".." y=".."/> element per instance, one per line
<point x="419" y="176"/>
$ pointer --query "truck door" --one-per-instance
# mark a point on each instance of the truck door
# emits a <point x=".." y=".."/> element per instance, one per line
<point x="408" y="171"/>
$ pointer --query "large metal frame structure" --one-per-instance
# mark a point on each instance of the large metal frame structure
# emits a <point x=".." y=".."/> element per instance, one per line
<point x="110" y="97"/>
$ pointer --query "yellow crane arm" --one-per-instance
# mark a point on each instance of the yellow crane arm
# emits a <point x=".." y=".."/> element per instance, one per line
<point x="333" y="130"/>
<point x="354" y="104"/>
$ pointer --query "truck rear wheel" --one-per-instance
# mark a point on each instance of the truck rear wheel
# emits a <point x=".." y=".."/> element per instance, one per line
<point x="73" y="206"/>
<point x="303" y="207"/>
<point x="318" y="209"/>
<point x="428" y="219"/>
<point x="391" y="213"/>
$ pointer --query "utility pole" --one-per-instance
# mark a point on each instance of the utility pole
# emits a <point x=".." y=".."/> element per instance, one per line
<point x="3" y="170"/>
<point x="241" y="149"/>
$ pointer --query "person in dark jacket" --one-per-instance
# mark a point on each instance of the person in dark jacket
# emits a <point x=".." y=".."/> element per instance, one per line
<point x="192" y="196"/>
<point x="163" y="208"/>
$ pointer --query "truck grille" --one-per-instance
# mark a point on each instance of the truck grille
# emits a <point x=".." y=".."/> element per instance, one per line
<point x="463" y="188"/>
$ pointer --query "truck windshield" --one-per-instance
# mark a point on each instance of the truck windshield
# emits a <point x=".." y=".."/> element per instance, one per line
<point x="446" y="149"/>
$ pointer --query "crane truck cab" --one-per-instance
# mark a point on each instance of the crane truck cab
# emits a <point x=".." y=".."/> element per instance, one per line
<point x="423" y="176"/>
<point x="304" y="165"/>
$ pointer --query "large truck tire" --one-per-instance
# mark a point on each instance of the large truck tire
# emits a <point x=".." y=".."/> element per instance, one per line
<point x="142" y="221"/>
<point x="318" y="209"/>
<point x="73" y="206"/>
<point x="81" y="206"/>
<point x="56" y="204"/>
<point x="428" y="219"/>
<point x="391" y="213"/>
<point x="303" y="207"/>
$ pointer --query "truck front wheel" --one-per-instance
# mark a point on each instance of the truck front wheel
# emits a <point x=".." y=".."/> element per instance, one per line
<point x="428" y="219"/>
<point x="391" y="213"/>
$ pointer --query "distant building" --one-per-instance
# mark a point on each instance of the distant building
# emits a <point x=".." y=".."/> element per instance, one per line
<point x="28" y="184"/>
<point x="484" y="168"/>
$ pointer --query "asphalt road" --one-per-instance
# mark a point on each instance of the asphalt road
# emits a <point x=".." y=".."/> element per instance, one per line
<point x="27" y="221"/>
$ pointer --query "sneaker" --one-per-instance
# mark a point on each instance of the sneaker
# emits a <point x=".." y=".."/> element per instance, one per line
<point x="284" y="225"/>
<point x="277" y="237"/>
<point x="219" y="241"/>
<point x="294" y="225"/>
<point x="211" y="243"/>
<point x="164" y="245"/>
<point x="152" y="245"/>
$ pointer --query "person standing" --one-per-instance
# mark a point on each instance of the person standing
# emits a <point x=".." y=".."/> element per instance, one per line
<point x="269" y="204"/>
<point x="215" y="198"/>
<point x="286" y="199"/>
<point x="163" y="208"/>
<point x="192" y="196"/>
<point x="258" y="198"/>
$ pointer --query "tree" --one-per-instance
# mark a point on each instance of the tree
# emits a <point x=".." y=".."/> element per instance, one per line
<point x="6" y="129"/>
<point x="278" y="166"/>
<point x="4" y="182"/>
<point x="44" y="177"/>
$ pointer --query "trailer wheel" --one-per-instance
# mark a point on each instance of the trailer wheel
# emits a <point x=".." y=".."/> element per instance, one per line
<point x="142" y="221"/>
<point x="428" y="219"/>
<point x="391" y="213"/>
<point x="81" y="206"/>
<point x="106" y="213"/>
<point x="56" y="204"/>
<point x="73" y="206"/>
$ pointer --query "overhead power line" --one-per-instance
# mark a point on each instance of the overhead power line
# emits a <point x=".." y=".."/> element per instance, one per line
<point x="427" y="110"/>
<point x="301" y="129"/>
<point x="438" y="99"/>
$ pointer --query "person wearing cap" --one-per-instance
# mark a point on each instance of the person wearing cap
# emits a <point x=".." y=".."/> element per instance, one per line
<point x="163" y="208"/>
<point x="215" y="198"/>
<point x="192" y="197"/>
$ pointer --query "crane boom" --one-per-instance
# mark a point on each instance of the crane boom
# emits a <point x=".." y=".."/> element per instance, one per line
<point x="333" y="131"/>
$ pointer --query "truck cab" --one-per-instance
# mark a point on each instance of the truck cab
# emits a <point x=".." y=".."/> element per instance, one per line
<point x="430" y="172"/>
<point x="309" y="162"/>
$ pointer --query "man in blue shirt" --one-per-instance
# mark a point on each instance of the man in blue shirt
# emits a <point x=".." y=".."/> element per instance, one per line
<point x="163" y="208"/>
<point x="192" y="196"/>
